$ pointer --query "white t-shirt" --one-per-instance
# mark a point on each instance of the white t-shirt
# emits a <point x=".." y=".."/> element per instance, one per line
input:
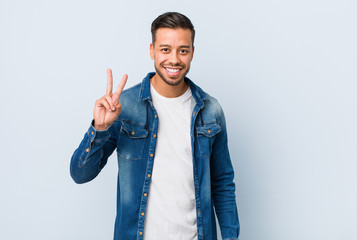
<point x="171" y="209"/>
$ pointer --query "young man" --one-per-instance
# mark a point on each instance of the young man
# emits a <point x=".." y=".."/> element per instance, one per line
<point x="175" y="171"/>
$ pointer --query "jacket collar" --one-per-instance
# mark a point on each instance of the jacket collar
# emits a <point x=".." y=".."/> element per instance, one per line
<point x="198" y="94"/>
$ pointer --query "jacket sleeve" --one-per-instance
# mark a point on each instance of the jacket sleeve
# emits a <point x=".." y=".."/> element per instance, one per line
<point x="93" y="152"/>
<point x="222" y="184"/>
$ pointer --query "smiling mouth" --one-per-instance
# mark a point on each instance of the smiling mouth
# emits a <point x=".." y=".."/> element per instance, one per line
<point x="172" y="71"/>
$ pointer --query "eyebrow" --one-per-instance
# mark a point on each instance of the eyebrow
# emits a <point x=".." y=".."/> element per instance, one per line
<point x="169" y="46"/>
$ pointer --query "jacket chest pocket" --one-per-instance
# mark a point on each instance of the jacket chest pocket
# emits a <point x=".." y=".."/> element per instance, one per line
<point x="131" y="141"/>
<point x="205" y="138"/>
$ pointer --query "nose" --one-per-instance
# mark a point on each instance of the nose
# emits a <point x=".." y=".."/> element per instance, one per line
<point x="174" y="58"/>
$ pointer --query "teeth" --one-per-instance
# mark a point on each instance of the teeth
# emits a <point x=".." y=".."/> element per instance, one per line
<point x="172" y="70"/>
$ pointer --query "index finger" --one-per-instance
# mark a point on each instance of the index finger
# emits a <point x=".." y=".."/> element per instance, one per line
<point x="109" y="81"/>
<point x="121" y="85"/>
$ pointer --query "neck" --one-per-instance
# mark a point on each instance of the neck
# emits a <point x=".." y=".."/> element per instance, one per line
<point x="167" y="90"/>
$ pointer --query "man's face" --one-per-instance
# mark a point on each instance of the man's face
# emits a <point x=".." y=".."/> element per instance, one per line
<point x="172" y="53"/>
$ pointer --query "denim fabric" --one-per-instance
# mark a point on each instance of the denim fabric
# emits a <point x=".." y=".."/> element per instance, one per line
<point x="132" y="135"/>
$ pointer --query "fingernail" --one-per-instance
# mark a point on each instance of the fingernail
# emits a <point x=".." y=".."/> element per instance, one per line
<point x="113" y="108"/>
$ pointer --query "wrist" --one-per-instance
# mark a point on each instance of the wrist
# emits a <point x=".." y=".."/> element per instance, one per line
<point x="99" y="127"/>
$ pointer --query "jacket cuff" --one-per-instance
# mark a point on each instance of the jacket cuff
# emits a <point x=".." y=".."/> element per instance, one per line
<point x="96" y="135"/>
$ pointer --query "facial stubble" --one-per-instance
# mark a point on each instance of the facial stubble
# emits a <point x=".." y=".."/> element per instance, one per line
<point x="170" y="82"/>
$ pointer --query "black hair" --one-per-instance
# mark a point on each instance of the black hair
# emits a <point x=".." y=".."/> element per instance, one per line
<point x="172" y="20"/>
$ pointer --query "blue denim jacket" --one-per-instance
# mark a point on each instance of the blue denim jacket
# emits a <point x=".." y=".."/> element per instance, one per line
<point x="132" y="134"/>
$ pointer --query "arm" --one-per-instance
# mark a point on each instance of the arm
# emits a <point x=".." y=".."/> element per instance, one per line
<point x="93" y="152"/>
<point x="222" y="185"/>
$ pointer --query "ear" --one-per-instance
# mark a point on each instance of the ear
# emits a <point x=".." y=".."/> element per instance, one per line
<point x="193" y="51"/>
<point x="152" y="55"/>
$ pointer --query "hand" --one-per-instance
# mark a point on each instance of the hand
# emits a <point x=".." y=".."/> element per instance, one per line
<point x="108" y="108"/>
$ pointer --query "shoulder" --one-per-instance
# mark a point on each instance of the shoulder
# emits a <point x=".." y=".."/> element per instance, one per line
<point x="132" y="108"/>
<point x="211" y="104"/>
<point x="212" y="109"/>
<point x="131" y="94"/>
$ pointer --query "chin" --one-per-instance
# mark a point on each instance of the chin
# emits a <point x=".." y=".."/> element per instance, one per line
<point x="175" y="82"/>
<point x="172" y="80"/>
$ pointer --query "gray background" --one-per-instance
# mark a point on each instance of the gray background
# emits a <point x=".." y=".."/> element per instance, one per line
<point x="284" y="72"/>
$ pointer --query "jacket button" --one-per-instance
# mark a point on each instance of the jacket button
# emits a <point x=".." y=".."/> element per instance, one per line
<point x="92" y="132"/>
<point x="87" y="150"/>
<point x="140" y="233"/>
<point x="155" y="116"/>
<point x="149" y="175"/>
<point x="142" y="214"/>
<point x="154" y="135"/>
<point x="145" y="194"/>
<point x="151" y="155"/>
<point x="209" y="131"/>
<point x="132" y="133"/>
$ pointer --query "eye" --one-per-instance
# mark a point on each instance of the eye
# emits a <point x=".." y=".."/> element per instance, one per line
<point x="183" y="51"/>
<point x="165" y="50"/>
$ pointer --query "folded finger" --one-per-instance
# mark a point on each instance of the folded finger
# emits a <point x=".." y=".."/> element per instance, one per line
<point x="104" y="103"/>
<point x="110" y="102"/>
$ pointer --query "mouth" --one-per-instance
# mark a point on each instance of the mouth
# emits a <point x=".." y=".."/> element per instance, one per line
<point x="173" y="71"/>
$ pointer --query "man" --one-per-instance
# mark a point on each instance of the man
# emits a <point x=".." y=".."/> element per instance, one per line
<point x="175" y="171"/>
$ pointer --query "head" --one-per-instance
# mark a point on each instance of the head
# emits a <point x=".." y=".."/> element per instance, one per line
<point x="172" y="46"/>
<point x="173" y="20"/>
